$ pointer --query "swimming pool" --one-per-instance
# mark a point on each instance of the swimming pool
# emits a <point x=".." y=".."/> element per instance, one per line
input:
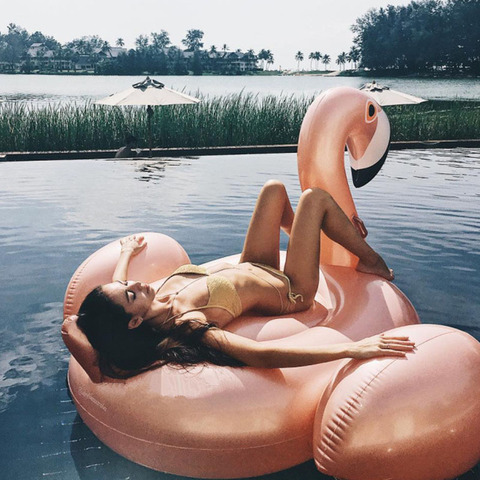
<point x="421" y="212"/>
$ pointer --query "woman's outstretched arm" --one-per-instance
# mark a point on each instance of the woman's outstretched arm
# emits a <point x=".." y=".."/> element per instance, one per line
<point x="130" y="246"/>
<point x="265" y="355"/>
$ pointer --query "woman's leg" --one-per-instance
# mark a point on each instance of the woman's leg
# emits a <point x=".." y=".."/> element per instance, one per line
<point x="316" y="211"/>
<point x="272" y="212"/>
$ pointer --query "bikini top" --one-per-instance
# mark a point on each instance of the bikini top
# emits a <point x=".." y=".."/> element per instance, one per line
<point x="222" y="292"/>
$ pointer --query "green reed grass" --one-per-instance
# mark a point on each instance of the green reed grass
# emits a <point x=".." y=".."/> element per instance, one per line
<point x="237" y="119"/>
<point x="435" y="120"/>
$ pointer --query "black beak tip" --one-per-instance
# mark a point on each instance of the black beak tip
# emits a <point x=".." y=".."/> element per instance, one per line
<point x="362" y="176"/>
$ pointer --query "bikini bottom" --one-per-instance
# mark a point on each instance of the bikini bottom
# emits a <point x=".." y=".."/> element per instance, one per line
<point x="291" y="297"/>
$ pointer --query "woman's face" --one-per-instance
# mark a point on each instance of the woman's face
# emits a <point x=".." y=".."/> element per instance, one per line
<point x="135" y="297"/>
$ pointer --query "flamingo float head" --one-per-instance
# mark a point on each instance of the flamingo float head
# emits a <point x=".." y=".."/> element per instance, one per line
<point x="368" y="147"/>
<point x="342" y="117"/>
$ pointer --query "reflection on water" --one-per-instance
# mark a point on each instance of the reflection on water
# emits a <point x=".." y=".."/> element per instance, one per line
<point x="30" y="362"/>
<point x="421" y="212"/>
<point x="154" y="170"/>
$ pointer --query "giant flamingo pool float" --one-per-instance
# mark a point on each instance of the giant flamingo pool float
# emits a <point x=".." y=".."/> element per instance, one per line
<point x="410" y="418"/>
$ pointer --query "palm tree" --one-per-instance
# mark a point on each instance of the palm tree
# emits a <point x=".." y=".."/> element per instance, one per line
<point x="269" y="58"/>
<point x="341" y="60"/>
<point x="317" y="57"/>
<point x="263" y="56"/>
<point x="338" y="61"/>
<point x="225" y="47"/>
<point x="326" y="60"/>
<point x="354" y="55"/>
<point x="349" y="59"/>
<point x="299" y="58"/>
<point x="311" y="57"/>
<point x="120" y="42"/>
<point x="106" y="49"/>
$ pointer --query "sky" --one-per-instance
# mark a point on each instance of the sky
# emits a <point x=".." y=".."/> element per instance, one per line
<point x="282" y="26"/>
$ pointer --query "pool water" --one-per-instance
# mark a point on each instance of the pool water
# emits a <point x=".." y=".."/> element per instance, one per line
<point x="421" y="212"/>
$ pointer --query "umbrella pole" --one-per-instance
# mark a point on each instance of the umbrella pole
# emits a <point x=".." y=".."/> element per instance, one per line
<point x="150" y="115"/>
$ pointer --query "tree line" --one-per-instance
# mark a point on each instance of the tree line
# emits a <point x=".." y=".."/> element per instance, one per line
<point x="154" y="53"/>
<point x="316" y="58"/>
<point x="423" y="36"/>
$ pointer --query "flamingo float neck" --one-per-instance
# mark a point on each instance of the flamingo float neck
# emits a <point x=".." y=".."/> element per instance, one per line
<point x="338" y="117"/>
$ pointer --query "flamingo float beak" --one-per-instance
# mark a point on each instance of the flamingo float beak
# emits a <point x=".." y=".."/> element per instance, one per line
<point x="369" y="150"/>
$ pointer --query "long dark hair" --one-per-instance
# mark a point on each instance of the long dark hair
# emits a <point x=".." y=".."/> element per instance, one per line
<point x="125" y="352"/>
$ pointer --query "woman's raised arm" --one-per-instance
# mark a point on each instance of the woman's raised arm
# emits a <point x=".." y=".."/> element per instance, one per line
<point x="265" y="355"/>
<point x="130" y="246"/>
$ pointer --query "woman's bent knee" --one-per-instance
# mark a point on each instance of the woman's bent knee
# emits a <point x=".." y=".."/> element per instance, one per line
<point x="274" y="187"/>
<point x="316" y="196"/>
<point x="273" y="184"/>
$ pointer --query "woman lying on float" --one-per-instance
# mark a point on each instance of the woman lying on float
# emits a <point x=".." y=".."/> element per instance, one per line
<point x="135" y="327"/>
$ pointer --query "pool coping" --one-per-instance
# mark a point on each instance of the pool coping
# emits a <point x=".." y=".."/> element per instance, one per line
<point x="203" y="151"/>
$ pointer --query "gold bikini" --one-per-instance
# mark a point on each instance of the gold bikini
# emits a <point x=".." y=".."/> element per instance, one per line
<point x="222" y="292"/>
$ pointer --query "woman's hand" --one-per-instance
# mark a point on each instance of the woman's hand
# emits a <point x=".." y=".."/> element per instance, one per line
<point x="382" y="346"/>
<point x="133" y="244"/>
<point x="130" y="246"/>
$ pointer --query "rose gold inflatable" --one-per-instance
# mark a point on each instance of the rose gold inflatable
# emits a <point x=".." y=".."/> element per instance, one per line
<point x="412" y="418"/>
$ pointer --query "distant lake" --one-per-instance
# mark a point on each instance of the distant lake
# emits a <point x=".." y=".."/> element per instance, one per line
<point x="77" y="88"/>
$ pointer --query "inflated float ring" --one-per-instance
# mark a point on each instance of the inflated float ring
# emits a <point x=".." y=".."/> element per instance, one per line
<point x="383" y="418"/>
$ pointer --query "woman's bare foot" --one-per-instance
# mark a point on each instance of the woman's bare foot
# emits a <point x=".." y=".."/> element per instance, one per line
<point x="376" y="266"/>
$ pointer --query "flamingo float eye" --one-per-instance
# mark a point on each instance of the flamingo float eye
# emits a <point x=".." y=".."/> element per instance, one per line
<point x="371" y="112"/>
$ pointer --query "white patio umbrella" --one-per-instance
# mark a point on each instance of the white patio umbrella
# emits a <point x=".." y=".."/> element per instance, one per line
<point x="150" y="93"/>
<point x="385" y="96"/>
